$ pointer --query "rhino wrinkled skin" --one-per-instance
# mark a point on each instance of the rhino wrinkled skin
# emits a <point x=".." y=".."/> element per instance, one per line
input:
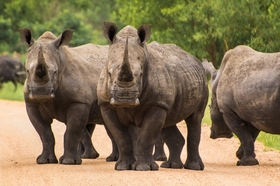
<point x="153" y="87"/>
<point x="246" y="98"/>
<point x="61" y="84"/>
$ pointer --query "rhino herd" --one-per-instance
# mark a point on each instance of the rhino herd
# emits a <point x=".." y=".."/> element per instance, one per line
<point x="140" y="91"/>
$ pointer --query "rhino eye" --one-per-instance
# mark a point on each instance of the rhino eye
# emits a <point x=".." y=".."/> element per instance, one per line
<point x="109" y="74"/>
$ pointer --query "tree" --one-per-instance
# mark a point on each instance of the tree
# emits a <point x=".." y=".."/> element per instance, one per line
<point x="84" y="17"/>
<point x="207" y="29"/>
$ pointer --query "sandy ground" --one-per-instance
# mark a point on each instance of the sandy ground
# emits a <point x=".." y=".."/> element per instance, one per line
<point x="20" y="145"/>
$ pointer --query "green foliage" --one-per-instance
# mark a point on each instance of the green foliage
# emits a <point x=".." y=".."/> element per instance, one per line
<point x="207" y="29"/>
<point x="84" y="17"/>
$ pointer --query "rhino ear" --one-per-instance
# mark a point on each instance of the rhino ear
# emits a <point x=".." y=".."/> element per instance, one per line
<point x="144" y="33"/>
<point x="110" y="30"/>
<point x="63" y="39"/>
<point x="26" y="36"/>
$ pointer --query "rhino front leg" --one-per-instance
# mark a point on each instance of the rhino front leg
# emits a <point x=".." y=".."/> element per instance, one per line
<point x="175" y="142"/>
<point x="121" y="136"/>
<point x="77" y="118"/>
<point x="43" y="128"/>
<point x="246" y="139"/>
<point x="153" y="122"/>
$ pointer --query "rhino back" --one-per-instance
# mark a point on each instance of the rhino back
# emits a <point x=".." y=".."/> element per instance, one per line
<point x="249" y="86"/>
<point x="82" y="70"/>
<point x="177" y="79"/>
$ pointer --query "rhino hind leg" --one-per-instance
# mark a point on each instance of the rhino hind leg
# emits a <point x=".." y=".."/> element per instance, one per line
<point x="194" y="161"/>
<point x="86" y="148"/>
<point x="175" y="143"/>
<point x="254" y="133"/>
<point x="159" y="154"/>
<point x="247" y="135"/>
<point x="115" y="153"/>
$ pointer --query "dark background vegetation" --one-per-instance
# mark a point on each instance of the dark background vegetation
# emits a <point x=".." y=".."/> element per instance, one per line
<point x="206" y="29"/>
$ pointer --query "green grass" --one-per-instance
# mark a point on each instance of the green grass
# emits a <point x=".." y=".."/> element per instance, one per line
<point x="269" y="140"/>
<point x="8" y="92"/>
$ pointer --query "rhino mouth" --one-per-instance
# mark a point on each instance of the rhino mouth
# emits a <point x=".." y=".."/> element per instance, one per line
<point x="124" y="97"/>
<point x="41" y="93"/>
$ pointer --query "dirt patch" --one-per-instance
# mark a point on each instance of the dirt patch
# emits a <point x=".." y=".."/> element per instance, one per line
<point x="20" y="145"/>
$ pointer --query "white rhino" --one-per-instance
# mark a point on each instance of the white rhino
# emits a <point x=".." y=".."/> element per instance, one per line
<point x="245" y="98"/>
<point x="153" y="87"/>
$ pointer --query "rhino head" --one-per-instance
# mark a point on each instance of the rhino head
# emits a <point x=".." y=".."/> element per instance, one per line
<point x="44" y="63"/>
<point x="219" y="128"/>
<point x="126" y="63"/>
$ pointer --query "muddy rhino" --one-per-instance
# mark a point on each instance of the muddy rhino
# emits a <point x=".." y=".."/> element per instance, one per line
<point x="61" y="84"/>
<point x="245" y="98"/>
<point x="153" y="87"/>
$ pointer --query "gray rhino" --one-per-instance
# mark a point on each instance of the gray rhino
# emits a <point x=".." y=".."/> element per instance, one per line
<point x="61" y="84"/>
<point x="245" y="98"/>
<point x="153" y="87"/>
<point x="11" y="69"/>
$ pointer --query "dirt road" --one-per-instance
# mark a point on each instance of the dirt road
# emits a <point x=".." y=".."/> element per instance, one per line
<point x="20" y="145"/>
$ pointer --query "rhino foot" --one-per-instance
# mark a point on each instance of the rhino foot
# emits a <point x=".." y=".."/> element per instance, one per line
<point x="194" y="165"/>
<point x="46" y="159"/>
<point x="240" y="153"/>
<point x="124" y="165"/>
<point x="172" y="164"/>
<point x="145" y="166"/>
<point x="160" y="157"/>
<point x="90" y="155"/>
<point x="112" y="157"/>
<point x="247" y="161"/>
<point x="70" y="160"/>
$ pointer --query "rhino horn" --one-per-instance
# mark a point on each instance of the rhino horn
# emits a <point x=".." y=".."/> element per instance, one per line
<point x="125" y="74"/>
<point x="41" y="68"/>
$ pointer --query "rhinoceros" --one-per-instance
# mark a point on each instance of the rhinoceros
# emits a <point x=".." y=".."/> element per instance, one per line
<point x="11" y="69"/>
<point x="61" y="84"/>
<point x="245" y="98"/>
<point x="153" y="87"/>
